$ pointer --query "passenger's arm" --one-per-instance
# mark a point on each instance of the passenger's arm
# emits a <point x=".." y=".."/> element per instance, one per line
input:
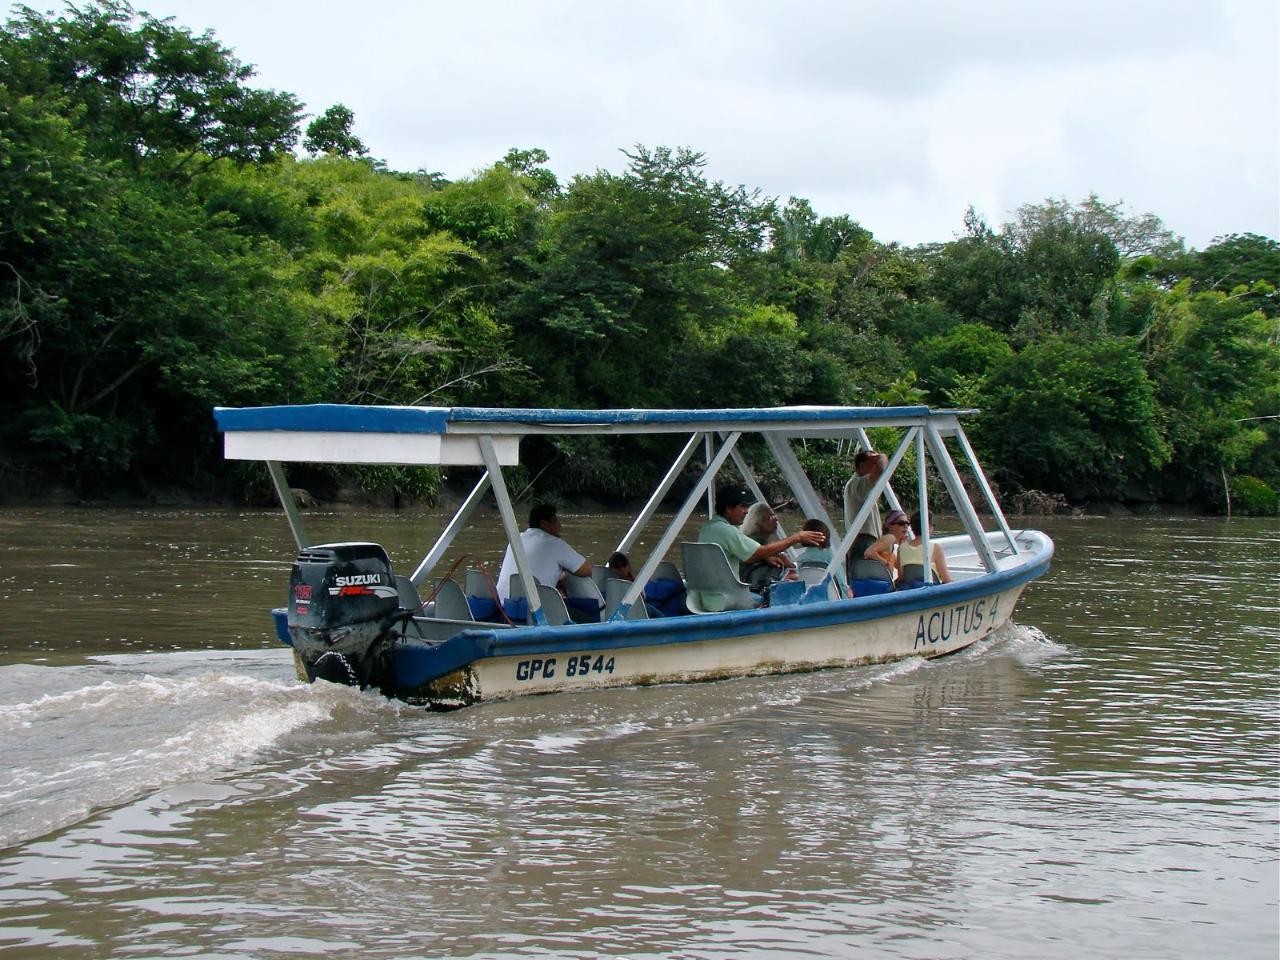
<point x="876" y="550"/>
<point x="940" y="561"/>
<point x="808" y="538"/>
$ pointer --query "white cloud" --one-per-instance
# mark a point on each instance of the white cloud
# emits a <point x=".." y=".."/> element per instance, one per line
<point x="899" y="115"/>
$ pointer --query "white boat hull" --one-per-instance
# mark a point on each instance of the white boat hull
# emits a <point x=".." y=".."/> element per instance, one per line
<point x="928" y="632"/>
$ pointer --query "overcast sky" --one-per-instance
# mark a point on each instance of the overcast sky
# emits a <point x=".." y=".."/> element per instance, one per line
<point x="898" y="114"/>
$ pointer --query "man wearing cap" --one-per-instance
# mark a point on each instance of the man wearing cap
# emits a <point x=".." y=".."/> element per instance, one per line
<point x="722" y="529"/>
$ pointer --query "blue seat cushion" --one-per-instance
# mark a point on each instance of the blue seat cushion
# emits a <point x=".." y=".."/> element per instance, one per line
<point x="585" y="605"/>
<point x="866" y="588"/>
<point x="665" y="596"/>
<point x="786" y="592"/>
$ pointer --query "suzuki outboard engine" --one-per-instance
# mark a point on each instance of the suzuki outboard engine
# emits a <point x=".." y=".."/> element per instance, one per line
<point x="343" y="603"/>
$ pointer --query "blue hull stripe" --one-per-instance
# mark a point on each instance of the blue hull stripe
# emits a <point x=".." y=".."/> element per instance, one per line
<point x="418" y="664"/>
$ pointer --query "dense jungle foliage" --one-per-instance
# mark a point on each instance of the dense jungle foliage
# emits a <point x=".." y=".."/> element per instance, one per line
<point x="165" y="247"/>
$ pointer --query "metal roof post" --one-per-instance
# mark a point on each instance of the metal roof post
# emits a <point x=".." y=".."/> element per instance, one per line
<point x="960" y="497"/>
<point x="987" y="492"/>
<point x="806" y="497"/>
<point x="923" y="488"/>
<point x="451" y="531"/>
<point x="677" y="524"/>
<point x="655" y="500"/>
<point x="888" y="491"/>
<point x="287" y="501"/>
<point x="876" y="488"/>
<point x="509" y="525"/>
<point x="708" y="447"/>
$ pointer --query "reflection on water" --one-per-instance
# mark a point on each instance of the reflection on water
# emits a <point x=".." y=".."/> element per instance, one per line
<point x="1103" y="784"/>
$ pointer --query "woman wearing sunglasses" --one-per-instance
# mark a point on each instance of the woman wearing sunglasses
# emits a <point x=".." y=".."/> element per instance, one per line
<point x="895" y="531"/>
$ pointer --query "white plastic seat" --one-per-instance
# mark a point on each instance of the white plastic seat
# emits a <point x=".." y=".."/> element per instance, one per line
<point x="667" y="571"/>
<point x="476" y="584"/>
<point x="864" y="569"/>
<point x="409" y="598"/>
<point x="813" y="576"/>
<point x="713" y="585"/>
<point x="599" y="574"/>
<point x="584" y="589"/>
<point x="553" y="606"/>
<point x="614" y="590"/>
<point x="451" y="602"/>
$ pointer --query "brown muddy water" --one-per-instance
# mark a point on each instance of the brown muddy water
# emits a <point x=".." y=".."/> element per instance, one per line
<point x="1100" y="780"/>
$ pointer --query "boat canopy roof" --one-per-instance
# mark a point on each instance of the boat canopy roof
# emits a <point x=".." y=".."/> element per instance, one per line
<point x="490" y="437"/>
<point x="343" y="433"/>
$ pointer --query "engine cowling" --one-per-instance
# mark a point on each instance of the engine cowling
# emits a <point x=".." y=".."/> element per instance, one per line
<point x="342" y="605"/>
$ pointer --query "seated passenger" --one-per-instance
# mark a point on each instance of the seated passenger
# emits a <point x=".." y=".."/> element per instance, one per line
<point x="761" y="525"/>
<point x="731" y="508"/>
<point x="895" y="532"/>
<point x="620" y="566"/>
<point x="820" y="556"/>
<point x="911" y="553"/>
<point x="550" y="558"/>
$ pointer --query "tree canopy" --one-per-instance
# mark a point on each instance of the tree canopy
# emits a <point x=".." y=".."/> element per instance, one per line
<point x="163" y="250"/>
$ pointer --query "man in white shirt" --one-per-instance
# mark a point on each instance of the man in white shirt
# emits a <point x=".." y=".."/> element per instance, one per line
<point x="550" y="558"/>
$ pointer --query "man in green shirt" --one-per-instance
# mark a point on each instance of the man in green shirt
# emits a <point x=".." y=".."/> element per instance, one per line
<point x="731" y="508"/>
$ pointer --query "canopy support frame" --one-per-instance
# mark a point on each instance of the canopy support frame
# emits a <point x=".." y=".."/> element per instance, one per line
<point x="677" y="523"/>
<point x="289" y="502"/>
<point x="450" y="532"/>
<point x="512" y="529"/>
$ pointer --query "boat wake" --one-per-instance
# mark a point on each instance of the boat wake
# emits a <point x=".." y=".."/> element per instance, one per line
<point x="78" y="739"/>
<point x="1027" y="645"/>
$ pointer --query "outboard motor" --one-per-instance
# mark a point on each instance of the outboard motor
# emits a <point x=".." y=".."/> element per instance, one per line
<point x="342" y="605"/>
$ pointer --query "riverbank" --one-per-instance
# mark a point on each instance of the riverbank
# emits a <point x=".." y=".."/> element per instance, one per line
<point x="450" y="495"/>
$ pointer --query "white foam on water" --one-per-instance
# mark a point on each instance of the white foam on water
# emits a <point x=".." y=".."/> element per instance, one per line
<point x="795" y="688"/>
<point x="83" y="746"/>
<point x="1024" y="643"/>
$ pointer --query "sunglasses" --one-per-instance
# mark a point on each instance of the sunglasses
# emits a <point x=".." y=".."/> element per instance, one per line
<point x="900" y="523"/>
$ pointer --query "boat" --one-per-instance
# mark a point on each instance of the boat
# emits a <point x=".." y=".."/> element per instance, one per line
<point x="352" y="619"/>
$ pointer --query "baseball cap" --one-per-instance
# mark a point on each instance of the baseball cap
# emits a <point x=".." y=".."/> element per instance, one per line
<point x="732" y="496"/>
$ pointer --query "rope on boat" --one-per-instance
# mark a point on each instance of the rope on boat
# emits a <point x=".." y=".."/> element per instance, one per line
<point x="440" y="583"/>
<point x="493" y="592"/>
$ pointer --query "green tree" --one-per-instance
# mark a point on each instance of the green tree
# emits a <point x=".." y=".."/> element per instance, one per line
<point x="145" y="91"/>
<point x="1072" y="416"/>
<point x="331" y="133"/>
<point x="530" y="166"/>
<point x="969" y="351"/>
<point x="1242" y="263"/>
<point x="627" y="268"/>
<point x="128" y="304"/>
<point x="394" y="295"/>
<point x="1048" y="271"/>
<point x="1216" y="367"/>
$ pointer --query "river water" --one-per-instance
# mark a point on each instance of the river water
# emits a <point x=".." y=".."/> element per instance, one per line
<point x="1099" y="780"/>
